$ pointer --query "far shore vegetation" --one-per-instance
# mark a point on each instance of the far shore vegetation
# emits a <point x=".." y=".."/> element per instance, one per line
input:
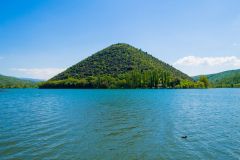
<point x="131" y="80"/>
<point x="12" y="82"/>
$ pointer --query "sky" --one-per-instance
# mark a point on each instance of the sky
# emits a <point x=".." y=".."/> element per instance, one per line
<point x="40" y="38"/>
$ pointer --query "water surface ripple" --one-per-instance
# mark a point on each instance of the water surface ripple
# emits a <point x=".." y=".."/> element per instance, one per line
<point x="120" y="124"/>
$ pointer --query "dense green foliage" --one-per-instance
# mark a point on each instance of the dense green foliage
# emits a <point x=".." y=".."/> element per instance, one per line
<point x="134" y="79"/>
<point x="120" y="66"/>
<point x="11" y="82"/>
<point x="227" y="79"/>
<point x="201" y="83"/>
<point x="118" y="59"/>
<point x="204" y="80"/>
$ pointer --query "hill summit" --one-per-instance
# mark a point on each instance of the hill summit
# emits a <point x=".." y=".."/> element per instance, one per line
<point x="118" y="66"/>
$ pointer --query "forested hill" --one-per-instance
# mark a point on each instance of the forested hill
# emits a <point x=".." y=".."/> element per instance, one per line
<point x="118" y="59"/>
<point x="12" y="82"/>
<point x="118" y="66"/>
<point x="229" y="78"/>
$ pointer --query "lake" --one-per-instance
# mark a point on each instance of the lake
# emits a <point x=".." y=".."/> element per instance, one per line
<point x="120" y="124"/>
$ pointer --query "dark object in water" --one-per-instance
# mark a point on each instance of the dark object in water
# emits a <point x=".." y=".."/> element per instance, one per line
<point x="184" y="137"/>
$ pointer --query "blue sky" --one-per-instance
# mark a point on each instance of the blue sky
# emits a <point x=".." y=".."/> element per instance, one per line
<point x="40" y="38"/>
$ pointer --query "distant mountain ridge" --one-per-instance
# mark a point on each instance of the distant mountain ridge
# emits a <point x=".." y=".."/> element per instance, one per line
<point x="118" y="66"/>
<point x="12" y="82"/>
<point x="229" y="78"/>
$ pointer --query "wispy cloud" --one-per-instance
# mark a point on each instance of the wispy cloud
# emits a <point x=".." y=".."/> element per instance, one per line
<point x="210" y="61"/>
<point x="235" y="44"/>
<point x="193" y="65"/>
<point x="39" y="73"/>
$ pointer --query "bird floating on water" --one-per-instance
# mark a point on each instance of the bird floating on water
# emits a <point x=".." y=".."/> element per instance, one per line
<point x="184" y="137"/>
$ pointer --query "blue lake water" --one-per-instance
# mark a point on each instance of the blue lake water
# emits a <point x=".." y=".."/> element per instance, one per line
<point x="120" y="124"/>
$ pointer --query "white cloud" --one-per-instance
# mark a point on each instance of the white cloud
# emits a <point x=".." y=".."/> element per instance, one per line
<point x="194" y="65"/>
<point x="39" y="73"/>
<point x="210" y="61"/>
